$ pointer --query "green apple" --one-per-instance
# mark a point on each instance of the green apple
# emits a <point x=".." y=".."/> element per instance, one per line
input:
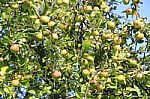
<point x="96" y="8"/>
<point x="104" y="74"/>
<point x="51" y="24"/>
<point x="129" y="11"/>
<point x="93" y="81"/>
<point x="138" y="23"/>
<point x="120" y="77"/>
<point x="15" y="6"/>
<point x="136" y="1"/>
<point x="100" y="87"/>
<point x="44" y="19"/>
<point x="117" y="47"/>
<point x="59" y="1"/>
<point x="92" y="70"/>
<point x="107" y="9"/>
<point x="39" y="35"/>
<point x="63" y="52"/>
<point x="117" y="40"/>
<point x="56" y="74"/>
<point x="15" y="82"/>
<point x="126" y="2"/>
<point x="140" y="75"/>
<point x="79" y="18"/>
<point x="15" y="48"/>
<point x="1" y="59"/>
<point x="132" y="62"/>
<point x="96" y="33"/>
<point x="108" y="80"/>
<point x="111" y="24"/>
<point x="88" y="9"/>
<point x="139" y="36"/>
<point x="85" y="61"/>
<point x="85" y="72"/>
<point x="55" y="36"/>
<point x="66" y="1"/>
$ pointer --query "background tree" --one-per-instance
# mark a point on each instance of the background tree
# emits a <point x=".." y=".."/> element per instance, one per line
<point x="80" y="48"/>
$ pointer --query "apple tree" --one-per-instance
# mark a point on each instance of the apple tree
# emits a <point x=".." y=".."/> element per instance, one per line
<point x="51" y="49"/>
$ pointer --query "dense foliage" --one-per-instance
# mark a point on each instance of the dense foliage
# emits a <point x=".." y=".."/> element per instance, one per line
<point x="73" y="48"/>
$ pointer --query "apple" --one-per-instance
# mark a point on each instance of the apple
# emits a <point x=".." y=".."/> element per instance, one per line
<point x="126" y="2"/>
<point x="44" y="19"/>
<point x="117" y="47"/>
<point x="107" y="9"/>
<point x="91" y="58"/>
<point x="93" y="81"/>
<point x="140" y="75"/>
<point x="108" y="80"/>
<point x="1" y="59"/>
<point x="96" y="33"/>
<point x="106" y="36"/>
<point x="132" y="62"/>
<point x="15" y="82"/>
<point x="50" y="24"/>
<point x="79" y="18"/>
<point x="120" y="77"/>
<point x="92" y="70"/>
<point x="85" y="72"/>
<point x="56" y="74"/>
<point x="96" y="8"/>
<point x="136" y="1"/>
<point x="15" y="48"/>
<point x="129" y="11"/>
<point x="111" y="24"/>
<point x="139" y="36"/>
<point x="117" y="40"/>
<point x="66" y="1"/>
<point x="104" y="74"/>
<point x="88" y="8"/>
<point x="39" y="35"/>
<point x="59" y="1"/>
<point x="63" y="52"/>
<point x="55" y="36"/>
<point x="15" y="6"/>
<point x="85" y="61"/>
<point x="100" y="87"/>
<point x="103" y="5"/>
<point x="138" y="23"/>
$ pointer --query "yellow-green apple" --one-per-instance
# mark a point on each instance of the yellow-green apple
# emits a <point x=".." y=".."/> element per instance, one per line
<point x="15" y="82"/>
<point x="44" y="19"/>
<point x="56" y="74"/>
<point x="15" y="48"/>
<point x="39" y="35"/>
<point x="111" y="24"/>
<point x="50" y="24"/>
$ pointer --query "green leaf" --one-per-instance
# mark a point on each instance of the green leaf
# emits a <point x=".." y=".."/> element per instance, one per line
<point x="6" y="90"/>
<point x="86" y="44"/>
<point x="137" y="90"/>
<point x="32" y="92"/>
<point x="112" y="86"/>
<point x="32" y="98"/>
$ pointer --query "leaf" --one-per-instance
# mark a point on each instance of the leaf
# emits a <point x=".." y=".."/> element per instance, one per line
<point x="78" y="94"/>
<point x="32" y="98"/>
<point x="112" y="86"/>
<point x="4" y="69"/>
<point x="137" y="90"/>
<point x="32" y="92"/>
<point x="86" y="44"/>
<point x="6" y="90"/>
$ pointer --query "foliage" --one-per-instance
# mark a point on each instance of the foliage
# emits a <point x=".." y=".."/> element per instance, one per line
<point x="81" y="48"/>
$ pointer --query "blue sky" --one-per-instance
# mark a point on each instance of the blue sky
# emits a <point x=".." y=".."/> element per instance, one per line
<point x="144" y="9"/>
